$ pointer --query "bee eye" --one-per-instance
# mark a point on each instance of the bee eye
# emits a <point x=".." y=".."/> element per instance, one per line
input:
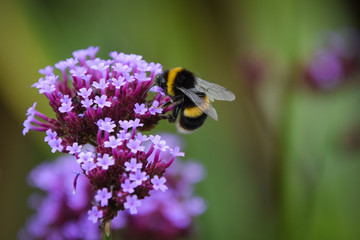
<point x="162" y="82"/>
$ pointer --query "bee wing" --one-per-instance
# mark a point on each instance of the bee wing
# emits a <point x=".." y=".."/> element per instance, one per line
<point x="204" y="106"/>
<point x="214" y="91"/>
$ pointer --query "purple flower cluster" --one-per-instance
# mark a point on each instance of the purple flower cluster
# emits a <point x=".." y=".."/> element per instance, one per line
<point x="103" y="103"/>
<point x="167" y="214"/>
<point x="335" y="61"/>
<point x="91" y="89"/>
<point x="60" y="214"/>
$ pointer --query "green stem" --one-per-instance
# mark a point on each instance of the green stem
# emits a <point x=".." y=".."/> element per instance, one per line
<point x="106" y="234"/>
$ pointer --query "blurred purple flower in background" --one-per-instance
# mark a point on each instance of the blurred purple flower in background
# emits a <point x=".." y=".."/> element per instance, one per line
<point x="60" y="214"/>
<point x="103" y="103"/>
<point x="335" y="60"/>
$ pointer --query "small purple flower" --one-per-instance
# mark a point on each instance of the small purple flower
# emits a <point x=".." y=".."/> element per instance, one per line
<point x="74" y="149"/>
<point x="85" y="93"/>
<point x="155" y="139"/>
<point x="141" y="137"/>
<point x="161" y="145"/>
<point x="142" y="76"/>
<point x="87" y="78"/>
<point x="95" y="214"/>
<point x="80" y="54"/>
<point x="48" y="70"/>
<point x="119" y="82"/>
<point x="78" y="72"/>
<point x="65" y="107"/>
<point x="113" y="142"/>
<point x="106" y="125"/>
<point x="101" y="101"/>
<point x="140" y="109"/>
<point x="157" y="89"/>
<point x="87" y="103"/>
<point x="143" y="66"/>
<point x="46" y="85"/>
<point x="50" y="135"/>
<point x="154" y="109"/>
<point x="88" y="166"/>
<point x="138" y="177"/>
<point x="128" y="186"/>
<point x="123" y="135"/>
<point x="85" y="157"/>
<point x="132" y="203"/>
<point x="105" y="161"/>
<point x="176" y="152"/>
<point x="121" y="68"/>
<point x="66" y="104"/>
<point x="66" y="99"/>
<point x="55" y="145"/>
<point x="103" y="197"/>
<point x="125" y="124"/>
<point x="71" y="62"/>
<point x="27" y="125"/>
<point x="62" y="65"/>
<point x="129" y="78"/>
<point x="92" y="51"/>
<point x="158" y="183"/>
<point x="102" y="84"/>
<point x="133" y="166"/>
<point x="135" y="146"/>
<point x="31" y="110"/>
<point x="156" y="68"/>
<point x="136" y="123"/>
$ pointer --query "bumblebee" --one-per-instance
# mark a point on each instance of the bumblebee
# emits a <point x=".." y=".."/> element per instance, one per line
<point x="192" y="97"/>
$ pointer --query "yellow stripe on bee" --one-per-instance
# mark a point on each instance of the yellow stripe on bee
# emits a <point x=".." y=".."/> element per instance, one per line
<point x="194" y="112"/>
<point x="171" y="79"/>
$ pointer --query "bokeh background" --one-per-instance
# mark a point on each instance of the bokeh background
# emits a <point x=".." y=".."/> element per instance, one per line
<point x="282" y="161"/>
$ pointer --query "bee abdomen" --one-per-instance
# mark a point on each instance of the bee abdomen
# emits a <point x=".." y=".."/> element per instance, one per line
<point x="188" y="124"/>
<point x="193" y="112"/>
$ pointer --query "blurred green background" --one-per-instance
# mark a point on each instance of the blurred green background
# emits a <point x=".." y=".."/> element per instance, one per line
<point x="282" y="161"/>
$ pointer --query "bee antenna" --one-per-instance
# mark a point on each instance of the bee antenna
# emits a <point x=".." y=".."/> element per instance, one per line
<point x="152" y="85"/>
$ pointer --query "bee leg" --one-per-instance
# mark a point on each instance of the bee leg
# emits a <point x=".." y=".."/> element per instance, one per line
<point x="175" y="113"/>
<point x="172" y="117"/>
<point x="164" y="105"/>
<point x="169" y="117"/>
<point x="175" y="100"/>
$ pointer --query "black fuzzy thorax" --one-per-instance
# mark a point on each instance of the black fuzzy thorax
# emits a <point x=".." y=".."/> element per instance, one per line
<point x="185" y="79"/>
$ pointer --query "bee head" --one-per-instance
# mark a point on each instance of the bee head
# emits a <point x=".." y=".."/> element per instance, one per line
<point x="161" y="81"/>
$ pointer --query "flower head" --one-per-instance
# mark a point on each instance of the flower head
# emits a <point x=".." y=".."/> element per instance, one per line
<point x="59" y="212"/>
<point x="167" y="213"/>
<point x="90" y="89"/>
<point x="334" y="61"/>
<point x="103" y="103"/>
